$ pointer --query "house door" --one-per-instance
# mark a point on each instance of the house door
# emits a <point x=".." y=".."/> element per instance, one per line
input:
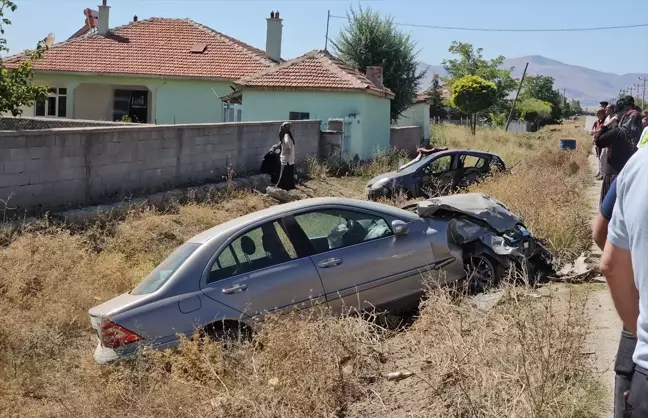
<point x="131" y="105"/>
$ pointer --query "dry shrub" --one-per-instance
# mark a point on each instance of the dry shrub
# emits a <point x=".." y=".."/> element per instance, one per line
<point x="520" y="359"/>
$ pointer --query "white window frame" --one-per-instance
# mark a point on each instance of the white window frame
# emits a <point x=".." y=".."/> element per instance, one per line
<point x="57" y="95"/>
<point x="232" y="112"/>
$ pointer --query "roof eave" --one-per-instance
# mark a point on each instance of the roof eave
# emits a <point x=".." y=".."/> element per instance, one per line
<point x="241" y="87"/>
<point x="133" y="75"/>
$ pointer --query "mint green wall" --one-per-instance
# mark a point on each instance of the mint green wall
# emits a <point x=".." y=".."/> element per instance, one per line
<point x="416" y="115"/>
<point x="170" y="101"/>
<point x="190" y="101"/>
<point x="263" y="105"/>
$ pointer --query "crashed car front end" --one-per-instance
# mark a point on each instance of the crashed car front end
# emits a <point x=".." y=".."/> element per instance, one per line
<point x="481" y="225"/>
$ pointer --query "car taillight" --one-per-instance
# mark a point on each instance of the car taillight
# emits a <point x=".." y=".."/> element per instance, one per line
<point x="114" y="336"/>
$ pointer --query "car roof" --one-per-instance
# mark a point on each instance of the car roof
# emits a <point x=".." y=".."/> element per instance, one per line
<point x="236" y="224"/>
<point x="465" y="151"/>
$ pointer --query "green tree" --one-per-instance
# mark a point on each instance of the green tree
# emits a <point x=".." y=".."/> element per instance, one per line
<point x="471" y="62"/>
<point x="437" y="108"/>
<point x="370" y="39"/>
<point x="534" y="110"/>
<point x="576" y="107"/>
<point x="16" y="85"/>
<point x="542" y="88"/>
<point x="472" y="94"/>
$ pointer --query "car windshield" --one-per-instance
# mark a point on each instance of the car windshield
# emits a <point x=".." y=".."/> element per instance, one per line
<point x="165" y="270"/>
<point x="414" y="165"/>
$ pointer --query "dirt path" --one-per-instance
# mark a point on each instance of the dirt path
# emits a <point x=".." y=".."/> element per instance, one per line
<point x="605" y="323"/>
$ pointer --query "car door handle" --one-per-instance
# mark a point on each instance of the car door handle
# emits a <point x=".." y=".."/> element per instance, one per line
<point x="235" y="289"/>
<point x="330" y="262"/>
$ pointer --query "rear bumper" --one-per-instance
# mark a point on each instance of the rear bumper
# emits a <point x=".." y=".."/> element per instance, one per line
<point x="104" y="355"/>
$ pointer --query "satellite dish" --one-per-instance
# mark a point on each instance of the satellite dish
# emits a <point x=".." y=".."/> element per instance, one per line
<point x="49" y="41"/>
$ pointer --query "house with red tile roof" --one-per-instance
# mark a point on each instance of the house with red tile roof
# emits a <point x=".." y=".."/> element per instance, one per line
<point x="320" y="86"/>
<point x="155" y="70"/>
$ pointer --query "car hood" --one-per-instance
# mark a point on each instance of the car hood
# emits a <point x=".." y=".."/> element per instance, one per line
<point x="391" y="176"/>
<point x="474" y="205"/>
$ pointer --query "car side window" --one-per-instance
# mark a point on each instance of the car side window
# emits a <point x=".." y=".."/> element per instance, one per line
<point x="470" y="161"/>
<point x="261" y="247"/>
<point x="330" y="229"/>
<point x="440" y="165"/>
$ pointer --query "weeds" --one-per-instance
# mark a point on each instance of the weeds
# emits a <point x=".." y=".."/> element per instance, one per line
<point x="520" y="359"/>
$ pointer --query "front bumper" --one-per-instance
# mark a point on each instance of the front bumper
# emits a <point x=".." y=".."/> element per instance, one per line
<point x="375" y="194"/>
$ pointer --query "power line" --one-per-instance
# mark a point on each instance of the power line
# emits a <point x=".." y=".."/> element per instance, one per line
<point x="414" y="25"/>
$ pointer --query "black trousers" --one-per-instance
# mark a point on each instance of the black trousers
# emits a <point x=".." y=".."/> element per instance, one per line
<point x="624" y="368"/>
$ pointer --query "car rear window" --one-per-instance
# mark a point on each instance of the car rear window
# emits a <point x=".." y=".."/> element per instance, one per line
<point x="165" y="270"/>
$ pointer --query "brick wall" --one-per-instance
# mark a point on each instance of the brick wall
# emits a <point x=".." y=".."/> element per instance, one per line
<point x="56" y="168"/>
<point x="407" y="138"/>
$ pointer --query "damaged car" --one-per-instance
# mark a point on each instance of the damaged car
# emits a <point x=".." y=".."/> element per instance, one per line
<point x="435" y="174"/>
<point x="340" y="253"/>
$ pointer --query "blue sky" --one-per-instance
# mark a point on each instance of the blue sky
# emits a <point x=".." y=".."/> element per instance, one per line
<point x="617" y="51"/>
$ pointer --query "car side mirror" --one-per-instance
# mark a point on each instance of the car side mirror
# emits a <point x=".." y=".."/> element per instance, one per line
<point x="400" y="228"/>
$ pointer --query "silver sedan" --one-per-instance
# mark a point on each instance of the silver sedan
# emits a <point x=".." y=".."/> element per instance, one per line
<point x="339" y="252"/>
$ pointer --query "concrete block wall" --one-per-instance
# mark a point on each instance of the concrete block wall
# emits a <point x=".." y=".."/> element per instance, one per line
<point x="407" y="138"/>
<point x="71" y="167"/>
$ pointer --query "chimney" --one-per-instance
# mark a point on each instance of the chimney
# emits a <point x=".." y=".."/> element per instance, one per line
<point x="273" y="36"/>
<point x="375" y="75"/>
<point x="135" y="18"/>
<point x="104" y="18"/>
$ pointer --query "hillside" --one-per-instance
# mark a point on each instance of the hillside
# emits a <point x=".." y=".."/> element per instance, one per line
<point x="581" y="83"/>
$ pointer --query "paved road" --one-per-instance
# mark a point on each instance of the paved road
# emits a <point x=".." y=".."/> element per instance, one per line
<point x="605" y="323"/>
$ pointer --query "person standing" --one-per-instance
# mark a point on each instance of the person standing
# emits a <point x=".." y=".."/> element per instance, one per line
<point x="623" y="365"/>
<point x="287" y="157"/>
<point x="644" y="135"/>
<point x="619" y="143"/>
<point x="625" y="267"/>
<point x="600" y="119"/>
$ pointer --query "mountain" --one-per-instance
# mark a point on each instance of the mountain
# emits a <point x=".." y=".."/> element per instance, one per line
<point x="580" y="83"/>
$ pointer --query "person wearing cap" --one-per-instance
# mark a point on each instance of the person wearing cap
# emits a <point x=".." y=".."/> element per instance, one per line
<point x="287" y="157"/>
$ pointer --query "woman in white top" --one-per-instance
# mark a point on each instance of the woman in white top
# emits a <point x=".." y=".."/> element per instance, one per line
<point x="287" y="157"/>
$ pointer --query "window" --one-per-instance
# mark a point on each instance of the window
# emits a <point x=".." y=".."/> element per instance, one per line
<point x="470" y="161"/>
<point x="257" y="249"/>
<point x="299" y="116"/>
<point x="55" y="105"/>
<point x="165" y="270"/>
<point x="130" y="106"/>
<point x="440" y="165"/>
<point x="333" y="228"/>
<point x="232" y="113"/>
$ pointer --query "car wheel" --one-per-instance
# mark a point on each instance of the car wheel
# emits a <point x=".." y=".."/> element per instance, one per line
<point x="228" y="332"/>
<point x="482" y="272"/>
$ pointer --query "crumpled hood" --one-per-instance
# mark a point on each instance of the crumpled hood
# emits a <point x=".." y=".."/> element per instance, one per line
<point x="476" y="205"/>
<point x="392" y="175"/>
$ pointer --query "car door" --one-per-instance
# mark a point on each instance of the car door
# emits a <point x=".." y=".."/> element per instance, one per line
<point x="438" y="176"/>
<point x="260" y="271"/>
<point x="360" y="260"/>
<point x="473" y="167"/>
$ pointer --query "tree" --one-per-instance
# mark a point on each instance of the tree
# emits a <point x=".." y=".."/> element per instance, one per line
<point x="542" y="88"/>
<point x="369" y="40"/>
<point x="471" y="62"/>
<point x="534" y="110"/>
<point x="472" y="94"/>
<point x="437" y="109"/>
<point x="16" y="85"/>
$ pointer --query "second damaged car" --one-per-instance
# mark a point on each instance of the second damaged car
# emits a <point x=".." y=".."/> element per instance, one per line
<point x="340" y="253"/>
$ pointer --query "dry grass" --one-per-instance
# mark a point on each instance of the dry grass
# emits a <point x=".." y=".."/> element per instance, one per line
<point x="322" y="366"/>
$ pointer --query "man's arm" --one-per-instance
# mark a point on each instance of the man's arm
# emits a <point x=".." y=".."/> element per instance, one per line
<point x="599" y="231"/>
<point x="616" y="266"/>
<point x="601" y="222"/>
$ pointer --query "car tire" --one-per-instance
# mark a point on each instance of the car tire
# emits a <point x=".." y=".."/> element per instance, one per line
<point x="228" y="332"/>
<point x="482" y="272"/>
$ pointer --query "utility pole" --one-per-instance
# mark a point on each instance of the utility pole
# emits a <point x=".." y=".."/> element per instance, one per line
<point x="643" y="95"/>
<point x="508" y="121"/>
<point x="328" y="19"/>
<point x="630" y="87"/>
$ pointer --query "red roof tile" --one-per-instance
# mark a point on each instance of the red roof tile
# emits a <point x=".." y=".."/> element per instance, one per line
<point x="155" y="47"/>
<point x="316" y="70"/>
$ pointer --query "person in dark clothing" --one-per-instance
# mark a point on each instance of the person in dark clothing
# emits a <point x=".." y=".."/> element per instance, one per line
<point x="623" y="365"/>
<point x="287" y="157"/>
<point x="271" y="163"/>
<point x="619" y="142"/>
